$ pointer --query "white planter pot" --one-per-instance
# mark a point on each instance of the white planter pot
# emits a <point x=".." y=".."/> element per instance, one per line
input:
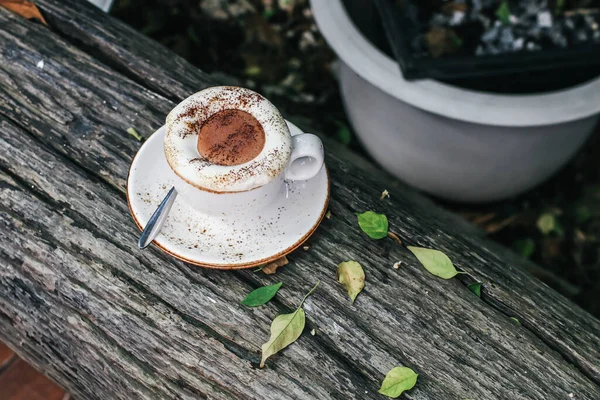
<point x="104" y="5"/>
<point x="455" y="143"/>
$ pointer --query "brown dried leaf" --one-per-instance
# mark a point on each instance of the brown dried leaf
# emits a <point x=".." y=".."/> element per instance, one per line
<point x="24" y="8"/>
<point x="271" y="268"/>
<point x="482" y="219"/>
<point x="442" y="41"/>
<point x="287" y="5"/>
<point x="498" y="226"/>
<point x="453" y="6"/>
<point x="258" y="30"/>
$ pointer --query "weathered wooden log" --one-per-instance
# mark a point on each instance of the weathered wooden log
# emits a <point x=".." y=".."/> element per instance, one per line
<point x="106" y="320"/>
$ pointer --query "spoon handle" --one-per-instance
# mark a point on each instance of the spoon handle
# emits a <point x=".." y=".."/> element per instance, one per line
<point x="157" y="219"/>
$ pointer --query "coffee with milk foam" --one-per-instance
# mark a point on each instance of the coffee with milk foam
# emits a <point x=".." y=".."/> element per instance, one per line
<point x="227" y="139"/>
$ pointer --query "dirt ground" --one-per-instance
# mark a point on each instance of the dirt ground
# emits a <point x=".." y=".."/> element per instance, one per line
<point x="274" y="47"/>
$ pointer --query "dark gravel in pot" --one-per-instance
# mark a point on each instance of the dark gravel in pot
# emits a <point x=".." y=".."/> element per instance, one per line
<point x="488" y="27"/>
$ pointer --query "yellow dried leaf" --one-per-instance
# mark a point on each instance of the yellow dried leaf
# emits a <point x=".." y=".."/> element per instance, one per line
<point x="285" y="329"/>
<point x="351" y="275"/>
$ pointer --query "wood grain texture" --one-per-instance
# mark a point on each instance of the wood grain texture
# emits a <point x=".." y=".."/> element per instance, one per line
<point x="142" y="325"/>
<point x="125" y="49"/>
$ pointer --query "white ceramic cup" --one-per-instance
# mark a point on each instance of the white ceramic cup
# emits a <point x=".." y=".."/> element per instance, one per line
<point x="305" y="158"/>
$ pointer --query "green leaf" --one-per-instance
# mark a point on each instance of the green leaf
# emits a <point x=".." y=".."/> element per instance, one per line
<point x="546" y="223"/>
<point x="503" y="13"/>
<point x="351" y="275"/>
<point x="191" y="31"/>
<point x="373" y="224"/>
<point x="558" y="229"/>
<point x="434" y="261"/>
<point x="525" y="247"/>
<point x="261" y="295"/>
<point x="253" y="70"/>
<point x="134" y="133"/>
<point x="344" y="135"/>
<point x="398" y="380"/>
<point x="515" y="320"/>
<point x="268" y="13"/>
<point x="475" y="288"/>
<point x="582" y="214"/>
<point x="285" y="329"/>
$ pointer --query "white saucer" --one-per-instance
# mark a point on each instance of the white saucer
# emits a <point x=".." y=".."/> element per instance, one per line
<point x="215" y="242"/>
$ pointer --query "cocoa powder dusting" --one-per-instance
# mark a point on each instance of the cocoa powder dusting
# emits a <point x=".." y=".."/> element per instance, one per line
<point x="231" y="137"/>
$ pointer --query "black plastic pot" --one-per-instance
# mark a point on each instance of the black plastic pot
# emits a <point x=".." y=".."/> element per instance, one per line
<point x="392" y="31"/>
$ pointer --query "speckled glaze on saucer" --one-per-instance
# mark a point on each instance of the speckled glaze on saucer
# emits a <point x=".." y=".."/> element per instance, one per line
<point x="217" y="242"/>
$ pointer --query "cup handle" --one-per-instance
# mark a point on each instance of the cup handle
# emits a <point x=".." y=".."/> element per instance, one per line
<point x="307" y="157"/>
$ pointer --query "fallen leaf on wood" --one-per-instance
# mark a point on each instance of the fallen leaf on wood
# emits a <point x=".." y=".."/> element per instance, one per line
<point x="271" y="268"/>
<point x="351" y="275"/>
<point x="434" y="261"/>
<point x="515" y="320"/>
<point x="475" y="288"/>
<point x="373" y="224"/>
<point x="398" y="380"/>
<point x="135" y="134"/>
<point x="260" y="296"/>
<point x="285" y="330"/>
<point x="24" y="8"/>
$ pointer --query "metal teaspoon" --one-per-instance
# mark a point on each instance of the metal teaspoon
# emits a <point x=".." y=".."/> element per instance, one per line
<point x="157" y="219"/>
